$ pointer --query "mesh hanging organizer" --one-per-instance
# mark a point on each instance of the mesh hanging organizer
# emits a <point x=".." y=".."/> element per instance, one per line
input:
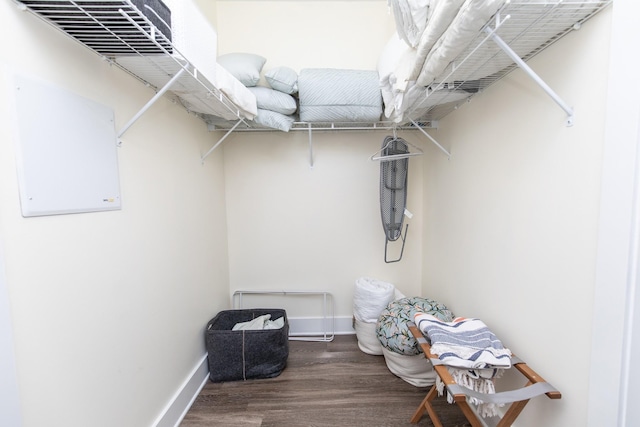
<point x="393" y="191"/>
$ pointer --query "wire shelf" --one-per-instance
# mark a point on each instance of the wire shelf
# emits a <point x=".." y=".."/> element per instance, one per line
<point x="527" y="27"/>
<point x="119" y="32"/>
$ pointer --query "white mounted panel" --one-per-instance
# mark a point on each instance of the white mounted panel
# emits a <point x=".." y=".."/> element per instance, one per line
<point x="67" y="152"/>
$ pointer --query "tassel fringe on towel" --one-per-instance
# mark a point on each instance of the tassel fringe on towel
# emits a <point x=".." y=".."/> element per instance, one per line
<point x="473" y="380"/>
<point x="473" y="354"/>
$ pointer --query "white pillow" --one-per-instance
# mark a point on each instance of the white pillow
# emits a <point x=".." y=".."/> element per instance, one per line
<point x="411" y="19"/>
<point x="245" y="67"/>
<point x="283" y="79"/>
<point x="274" y="120"/>
<point x="270" y="99"/>
<point x="396" y="51"/>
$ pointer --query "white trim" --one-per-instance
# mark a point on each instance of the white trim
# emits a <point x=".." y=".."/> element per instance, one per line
<point x="626" y="410"/>
<point x="10" y="409"/>
<point x="179" y="405"/>
<point x="9" y="396"/>
<point x="614" y="270"/>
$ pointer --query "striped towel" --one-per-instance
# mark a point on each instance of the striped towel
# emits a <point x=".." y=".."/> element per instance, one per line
<point x="463" y="343"/>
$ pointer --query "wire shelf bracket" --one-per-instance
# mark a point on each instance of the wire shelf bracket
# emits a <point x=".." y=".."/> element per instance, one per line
<point x="432" y="139"/>
<point x="148" y="105"/>
<point x="528" y="70"/>
<point x="161" y="91"/>
<point x="221" y="139"/>
<point x="310" y="146"/>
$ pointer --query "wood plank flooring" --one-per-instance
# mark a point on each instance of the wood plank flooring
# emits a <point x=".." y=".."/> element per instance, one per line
<point x="324" y="384"/>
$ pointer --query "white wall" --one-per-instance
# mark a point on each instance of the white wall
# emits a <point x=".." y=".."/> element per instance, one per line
<point x="511" y="220"/>
<point x="108" y="309"/>
<point x="290" y="226"/>
<point x="306" y="34"/>
<point x="209" y="9"/>
<point x="293" y="227"/>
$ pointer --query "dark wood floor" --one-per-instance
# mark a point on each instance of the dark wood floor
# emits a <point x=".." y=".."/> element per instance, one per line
<point x="324" y="384"/>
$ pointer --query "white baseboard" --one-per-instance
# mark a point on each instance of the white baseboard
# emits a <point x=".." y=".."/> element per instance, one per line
<point x="185" y="396"/>
<point x="317" y="326"/>
<point x="187" y="393"/>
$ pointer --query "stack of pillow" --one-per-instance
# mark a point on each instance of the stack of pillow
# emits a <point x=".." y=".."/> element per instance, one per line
<point x="276" y="104"/>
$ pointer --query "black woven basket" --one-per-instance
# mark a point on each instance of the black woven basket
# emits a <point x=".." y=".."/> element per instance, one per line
<point x="246" y="354"/>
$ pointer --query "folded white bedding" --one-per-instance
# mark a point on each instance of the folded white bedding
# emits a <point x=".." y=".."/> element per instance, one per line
<point x="400" y="65"/>
<point x="238" y="93"/>
<point x="443" y="12"/>
<point x="394" y="66"/>
<point x="411" y="18"/>
<point x="416" y="100"/>
<point x="469" y="20"/>
<point x="370" y="297"/>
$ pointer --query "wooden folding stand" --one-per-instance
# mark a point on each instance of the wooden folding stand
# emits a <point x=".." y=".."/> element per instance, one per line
<point x="517" y="399"/>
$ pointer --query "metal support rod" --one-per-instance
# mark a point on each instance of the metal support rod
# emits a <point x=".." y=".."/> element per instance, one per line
<point x="310" y="147"/>
<point x="431" y="138"/>
<point x="514" y="56"/>
<point x="221" y="139"/>
<point x="328" y="312"/>
<point x="151" y="102"/>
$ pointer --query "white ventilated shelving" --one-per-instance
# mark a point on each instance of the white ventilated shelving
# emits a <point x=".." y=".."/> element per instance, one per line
<point x="118" y="32"/>
<point x="518" y="32"/>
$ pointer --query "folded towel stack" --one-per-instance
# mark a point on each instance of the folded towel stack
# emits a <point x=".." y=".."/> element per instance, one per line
<point x="472" y="353"/>
<point x="464" y="343"/>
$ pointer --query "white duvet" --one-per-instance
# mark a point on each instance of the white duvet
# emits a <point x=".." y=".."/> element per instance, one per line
<point x="468" y="21"/>
<point x="405" y="71"/>
<point x="370" y="297"/>
<point x="401" y="62"/>
<point x="399" y="93"/>
<point x="411" y="18"/>
<point x="394" y="67"/>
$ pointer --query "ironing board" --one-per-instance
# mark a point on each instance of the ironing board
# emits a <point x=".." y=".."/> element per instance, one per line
<point x="394" y="174"/>
<point x="517" y="399"/>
